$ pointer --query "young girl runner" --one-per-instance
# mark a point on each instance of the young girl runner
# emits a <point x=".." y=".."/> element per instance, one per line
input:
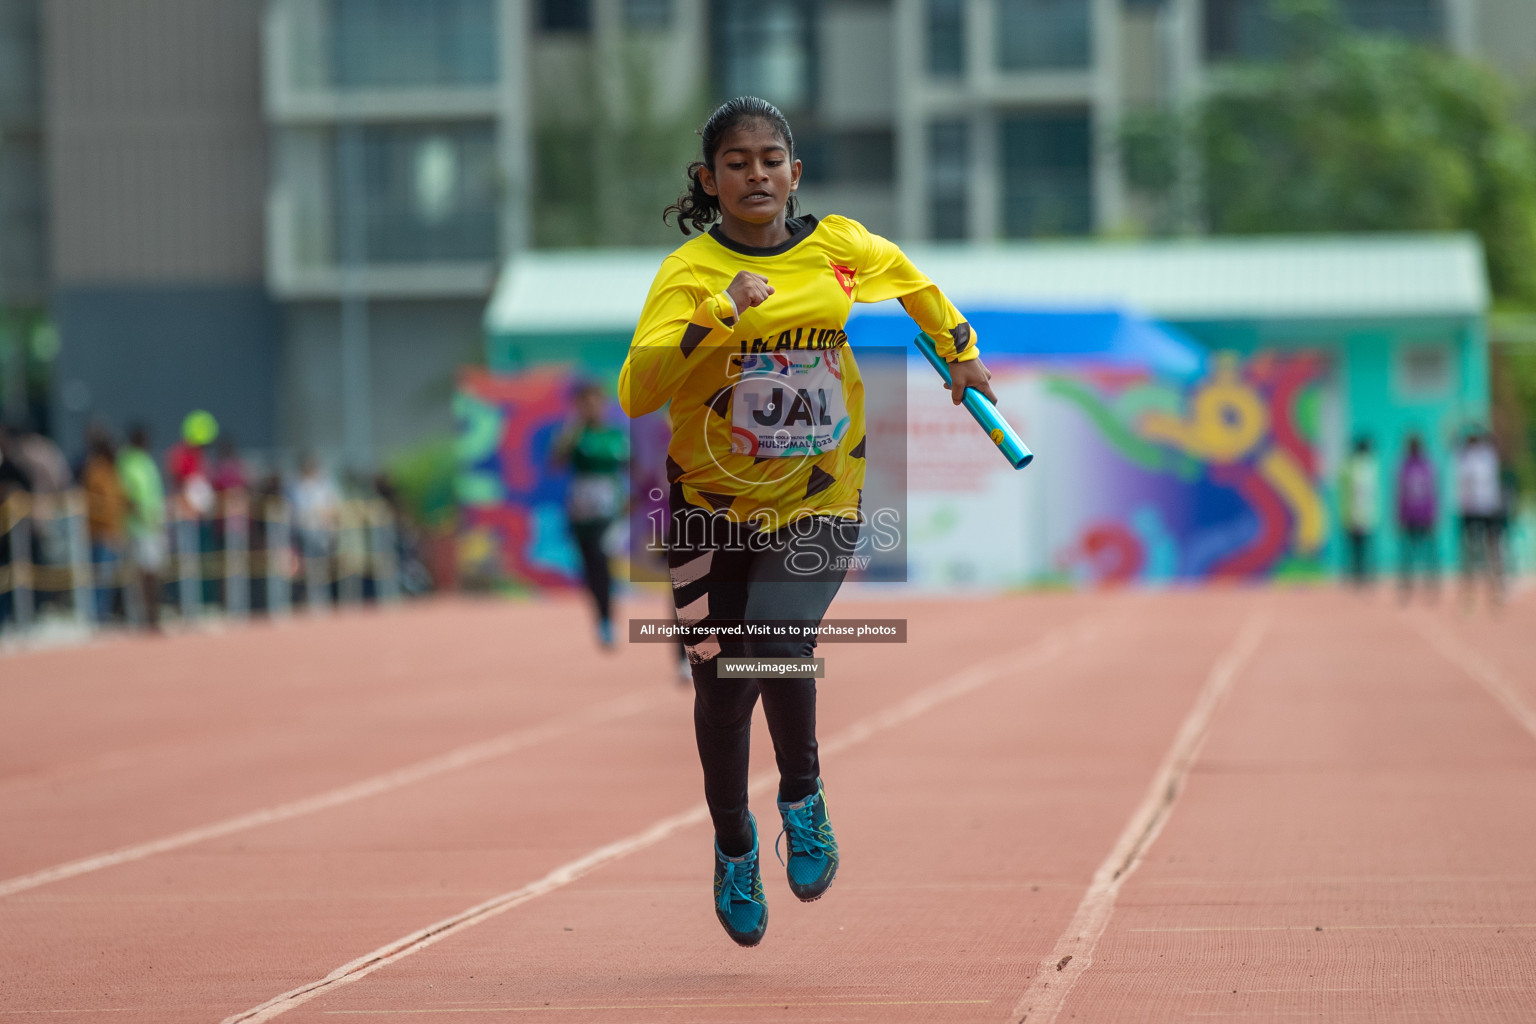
<point x="743" y="333"/>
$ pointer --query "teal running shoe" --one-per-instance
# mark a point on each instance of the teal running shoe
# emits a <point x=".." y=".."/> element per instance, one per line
<point x="812" y="860"/>
<point x="739" y="902"/>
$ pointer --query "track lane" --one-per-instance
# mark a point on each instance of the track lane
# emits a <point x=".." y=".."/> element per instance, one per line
<point x="237" y="722"/>
<point x="970" y="833"/>
<point x="1353" y="845"/>
<point x="300" y="890"/>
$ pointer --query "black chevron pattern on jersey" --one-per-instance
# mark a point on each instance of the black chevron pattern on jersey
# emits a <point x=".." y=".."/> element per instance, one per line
<point x="694" y="334"/>
<point x="718" y="502"/>
<point x="720" y="402"/>
<point x="820" y="480"/>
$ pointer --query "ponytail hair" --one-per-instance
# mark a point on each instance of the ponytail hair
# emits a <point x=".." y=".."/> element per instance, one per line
<point x="696" y="206"/>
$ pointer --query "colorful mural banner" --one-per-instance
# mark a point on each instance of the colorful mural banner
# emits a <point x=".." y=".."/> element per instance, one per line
<point x="1140" y="478"/>
<point x="512" y="525"/>
<point x="1218" y="480"/>
<point x="511" y="499"/>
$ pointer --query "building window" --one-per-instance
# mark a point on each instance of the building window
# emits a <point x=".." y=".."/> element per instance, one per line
<point x="946" y="38"/>
<point x="647" y="15"/>
<point x="848" y="157"/>
<point x="763" y="48"/>
<point x="412" y="43"/>
<point x="1047" y="180"/>
<point x="20" y="50"/>
<point x="949" y="179"/>
<point x="565" y="15"/>
<point x="1423" y="371"/>
<point x="1042" y="34"/>
<point x="1248" y="29"/>
<point x="428" y="193"/>
<point x="23" y="218"/>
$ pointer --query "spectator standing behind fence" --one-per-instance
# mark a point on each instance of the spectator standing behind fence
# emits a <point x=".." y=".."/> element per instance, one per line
<point x="230" y="481"/>
<point x="1480" y="502"/>
<point x="316" y="506"/>
<point x="275" y="572"/>
<point x="51" y="476"/>
<point x="187" y="463"/>
<point x="14" y="478"/>
<point x="411" y="572"/>
<point x="106" y="512"/>
<point x="43" y="460"/>
<point x="14" y="481"/>
<point x="228" y="472"/>
<point x="1360" y="496"/>
<point x="597" y="452"/>
<point x="145" y="491"/>
<point x="1417" y="505"/>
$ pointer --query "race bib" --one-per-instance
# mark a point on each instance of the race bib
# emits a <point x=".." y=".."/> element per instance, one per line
<point x="594" y="496"/>
<point x="788" y="404"/>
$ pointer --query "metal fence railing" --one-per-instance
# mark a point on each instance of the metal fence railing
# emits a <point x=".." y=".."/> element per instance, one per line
<point x="250" y="557"/>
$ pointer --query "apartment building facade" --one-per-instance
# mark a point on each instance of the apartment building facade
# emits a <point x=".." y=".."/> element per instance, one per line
<point x="292" y="211"/>
<point x="25" y="335"/>
<point x="155" y="152"/>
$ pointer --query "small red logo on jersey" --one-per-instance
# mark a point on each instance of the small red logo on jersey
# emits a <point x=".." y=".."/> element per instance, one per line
<point x="845" y="277"/>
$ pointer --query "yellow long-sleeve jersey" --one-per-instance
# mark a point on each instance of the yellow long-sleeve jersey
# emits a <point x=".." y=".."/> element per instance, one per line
<point x="768" y="408"/>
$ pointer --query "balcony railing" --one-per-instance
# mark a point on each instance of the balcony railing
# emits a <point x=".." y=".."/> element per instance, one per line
<point x="381" y="59"/>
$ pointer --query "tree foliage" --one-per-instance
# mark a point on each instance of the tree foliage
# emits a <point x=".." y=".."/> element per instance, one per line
<point x="611" y="158"/>
<point x="1350" y="132"/>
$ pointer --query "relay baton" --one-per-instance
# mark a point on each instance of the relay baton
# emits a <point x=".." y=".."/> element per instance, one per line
<point x="982" y="410"/>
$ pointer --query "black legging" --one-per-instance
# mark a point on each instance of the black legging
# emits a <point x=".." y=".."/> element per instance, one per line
<point x="594" y="561"/>
<point x="718" y="577"/>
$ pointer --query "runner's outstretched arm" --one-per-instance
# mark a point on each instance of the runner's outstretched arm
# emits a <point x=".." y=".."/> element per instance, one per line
<point x="679" y="317"/>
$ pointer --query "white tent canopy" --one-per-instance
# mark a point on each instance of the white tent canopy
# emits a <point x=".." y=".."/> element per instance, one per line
<point x="1314" y="276"/>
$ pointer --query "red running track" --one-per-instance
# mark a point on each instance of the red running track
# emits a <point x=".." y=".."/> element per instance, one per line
<point x="1220" y="805"/>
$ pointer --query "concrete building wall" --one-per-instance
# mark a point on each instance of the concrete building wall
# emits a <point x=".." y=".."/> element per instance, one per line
<point x="156" y="140"/>
<point x="23" y="235"/>
<point x="156" y="175"/>
<point x="151" y="353"/>
<point x="417" y="347"/>
<point x="1505" y="34"/>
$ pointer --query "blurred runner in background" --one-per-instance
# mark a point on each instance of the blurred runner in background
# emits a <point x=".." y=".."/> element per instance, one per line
<point x="1417" y="505"/>
<point x="597" y="452"/>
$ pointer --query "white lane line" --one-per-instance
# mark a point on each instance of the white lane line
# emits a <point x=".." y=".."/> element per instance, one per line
<point x="1469" y="661"/>
<point x="662" y="1006"/>
<point x="963" y="682"/>
<point x="1386" y="989"/>
<point x="1496" y="926"/>
<point x="1073" y="952"/>
<point x="463" y="757"/>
